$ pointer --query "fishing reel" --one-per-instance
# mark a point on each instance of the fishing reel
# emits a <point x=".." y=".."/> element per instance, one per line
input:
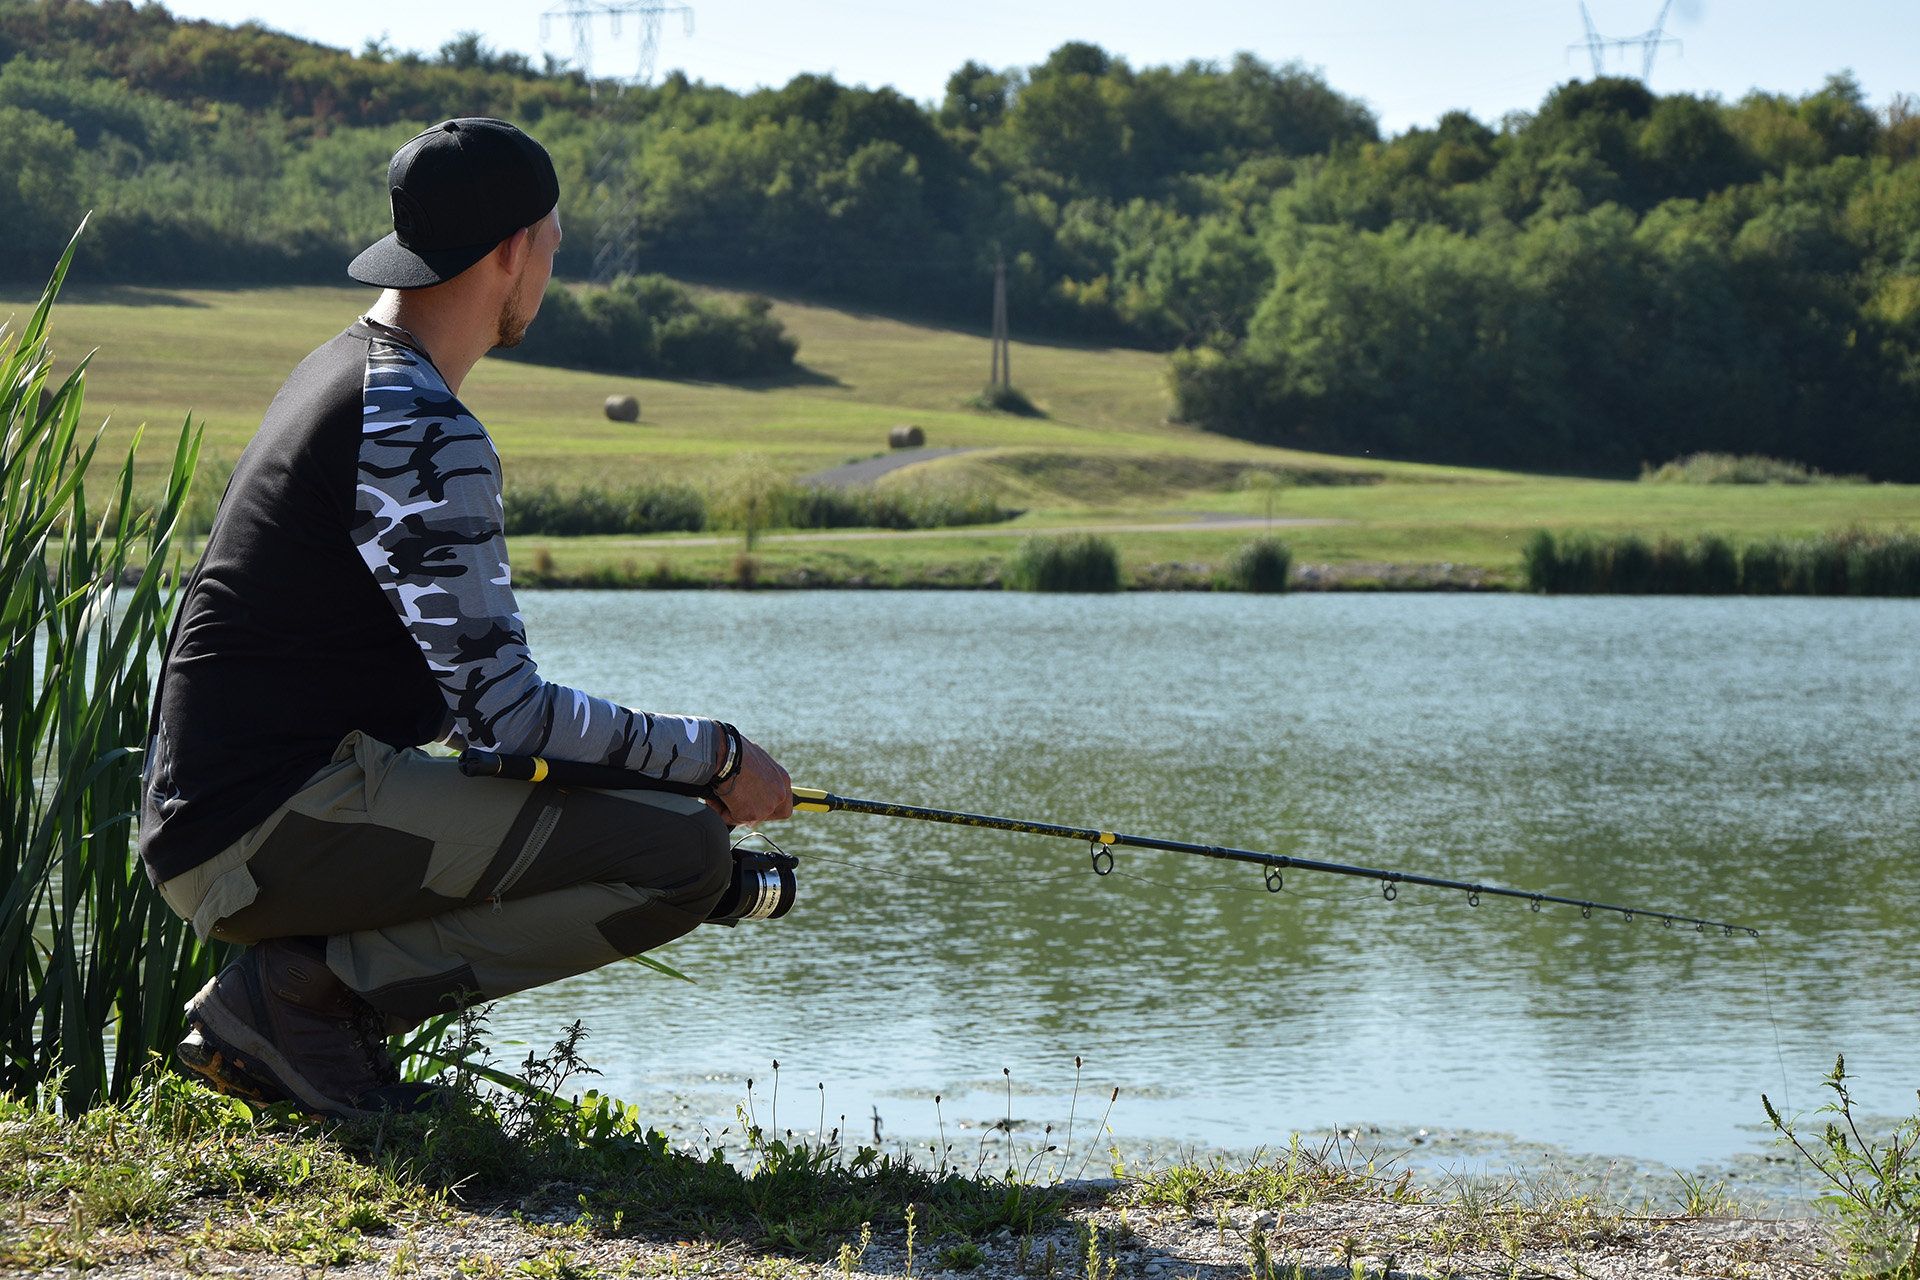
<point x="763" y="886"/>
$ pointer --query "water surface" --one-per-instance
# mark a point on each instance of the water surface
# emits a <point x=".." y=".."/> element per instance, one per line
<point x="1747" y="760"/>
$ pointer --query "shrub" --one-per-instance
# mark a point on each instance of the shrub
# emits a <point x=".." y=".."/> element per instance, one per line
<point x="650" y="325"/>
<point x="1728" y="468"/>
<point x="1081" y="562"/>
<point x="1260" y="565"/>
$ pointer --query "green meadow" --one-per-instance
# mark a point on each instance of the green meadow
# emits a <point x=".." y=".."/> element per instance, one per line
<point x="1105" y="457"/>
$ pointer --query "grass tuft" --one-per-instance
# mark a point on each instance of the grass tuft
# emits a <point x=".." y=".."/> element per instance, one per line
<point x="1261" y="565"/>
<point x="1081" y="562"/>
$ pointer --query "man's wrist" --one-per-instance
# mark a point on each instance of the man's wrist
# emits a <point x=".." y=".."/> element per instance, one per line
<point x="731" y="753"/>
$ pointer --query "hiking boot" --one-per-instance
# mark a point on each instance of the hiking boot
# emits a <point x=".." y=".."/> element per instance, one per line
<point x="277" y="1025"/>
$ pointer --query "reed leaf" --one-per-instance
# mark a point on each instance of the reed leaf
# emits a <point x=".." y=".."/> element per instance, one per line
<point x="89" y="954"/>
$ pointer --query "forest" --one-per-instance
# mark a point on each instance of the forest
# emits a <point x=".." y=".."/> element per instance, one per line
<point x="1615" y="278"/>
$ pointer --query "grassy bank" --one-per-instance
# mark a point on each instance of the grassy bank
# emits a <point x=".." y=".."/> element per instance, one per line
<point x="178" y="1179"/>
<point x="1104" y="458"/>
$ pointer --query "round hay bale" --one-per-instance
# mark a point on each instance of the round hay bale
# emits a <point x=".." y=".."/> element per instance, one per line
<point x="906" y="437"/>
<point x="623" y="409"/>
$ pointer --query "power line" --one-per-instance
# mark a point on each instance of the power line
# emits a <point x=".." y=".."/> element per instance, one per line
<point x="616" y="247"/>
<point x="1649" y="42"/>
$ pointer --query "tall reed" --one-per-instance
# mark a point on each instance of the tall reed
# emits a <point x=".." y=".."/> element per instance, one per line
<point x="89" y="950"/>
<point x="1261" y="565"/>
<point x="1076" y="562"/>
<point x="1839" y="562"/>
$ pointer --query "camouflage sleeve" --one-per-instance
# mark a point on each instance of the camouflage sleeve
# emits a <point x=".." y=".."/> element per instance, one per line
<point x="429" y="523"/>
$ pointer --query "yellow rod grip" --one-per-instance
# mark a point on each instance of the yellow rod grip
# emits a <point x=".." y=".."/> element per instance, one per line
<point x="539" y="769"/>
<point x="811" y="800"/>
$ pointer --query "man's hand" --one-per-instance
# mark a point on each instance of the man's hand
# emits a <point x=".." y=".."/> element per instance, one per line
<point x="760" y="792"/>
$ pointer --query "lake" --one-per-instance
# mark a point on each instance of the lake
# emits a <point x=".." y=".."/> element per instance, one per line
<point x="1747" y="760"/>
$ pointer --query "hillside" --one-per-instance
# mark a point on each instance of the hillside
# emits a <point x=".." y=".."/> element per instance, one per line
<point x="1613" y="277"/>
<point x="1105" y="457"/>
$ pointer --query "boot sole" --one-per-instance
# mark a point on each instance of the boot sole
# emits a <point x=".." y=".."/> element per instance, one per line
<point x="232" y="1040"/>
<point x="224" y="1071"/>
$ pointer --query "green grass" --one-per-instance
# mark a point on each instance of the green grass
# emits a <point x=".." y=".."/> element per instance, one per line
<point x="1105" y="454"/>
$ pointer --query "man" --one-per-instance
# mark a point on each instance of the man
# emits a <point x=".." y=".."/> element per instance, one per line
<point x="354" y="603"/>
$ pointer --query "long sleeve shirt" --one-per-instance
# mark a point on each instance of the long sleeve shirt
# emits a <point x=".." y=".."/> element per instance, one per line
<point x="356" y="578"/>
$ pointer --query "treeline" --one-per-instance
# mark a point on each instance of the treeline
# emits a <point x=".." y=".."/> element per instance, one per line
<point x="1615" y="279"/>
<point x="650" y="325"/>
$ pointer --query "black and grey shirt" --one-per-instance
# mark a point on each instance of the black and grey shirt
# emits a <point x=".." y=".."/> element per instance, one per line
<point x="356" y="578"/>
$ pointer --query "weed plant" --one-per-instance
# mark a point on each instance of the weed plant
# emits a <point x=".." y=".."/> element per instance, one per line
<point x="1728" y="468"/>
<point x="87" y="948"/>
<point x="679" y="508"/>
<point x="1844" y="562"/>
<point x="1261" y="565"/>
<point x="1080" y="562"/>
<point x="1875" y="1196"/>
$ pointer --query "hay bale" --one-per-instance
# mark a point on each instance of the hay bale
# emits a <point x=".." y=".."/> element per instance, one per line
<point x="623" y="409"/>
<point x="906" y="437"/>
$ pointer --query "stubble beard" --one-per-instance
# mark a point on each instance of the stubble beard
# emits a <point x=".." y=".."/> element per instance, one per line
<point x="511" y="328"/>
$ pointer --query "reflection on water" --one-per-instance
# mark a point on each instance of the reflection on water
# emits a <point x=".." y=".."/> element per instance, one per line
<point x="1740" y="759"/>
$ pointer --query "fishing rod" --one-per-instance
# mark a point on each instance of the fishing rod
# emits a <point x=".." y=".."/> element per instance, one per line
<point x="1100" y="843"/>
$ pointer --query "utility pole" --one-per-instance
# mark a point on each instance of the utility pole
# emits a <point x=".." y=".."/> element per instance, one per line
<point x="1649" y="42"/>
<point x="1002" y="374"/>
<point x="616" y="244"/>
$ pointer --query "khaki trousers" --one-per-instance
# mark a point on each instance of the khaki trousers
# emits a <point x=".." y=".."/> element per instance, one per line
<point x="434" y="889"/>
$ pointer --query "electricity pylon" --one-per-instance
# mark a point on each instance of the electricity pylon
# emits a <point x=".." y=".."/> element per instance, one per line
<point x="1649" y="42"/>
<point x="616" y="244"/>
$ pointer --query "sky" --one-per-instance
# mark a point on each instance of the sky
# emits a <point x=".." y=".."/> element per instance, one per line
<point x="1410" y="60"/>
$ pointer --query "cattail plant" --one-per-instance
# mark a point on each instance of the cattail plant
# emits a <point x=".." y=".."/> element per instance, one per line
<point x="95" y="966"/>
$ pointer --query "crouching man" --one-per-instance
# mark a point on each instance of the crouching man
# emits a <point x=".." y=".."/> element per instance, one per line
<point x="354" y="603"/>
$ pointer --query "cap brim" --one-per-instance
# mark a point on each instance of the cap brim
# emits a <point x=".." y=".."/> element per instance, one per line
<point x="391" y="265"/>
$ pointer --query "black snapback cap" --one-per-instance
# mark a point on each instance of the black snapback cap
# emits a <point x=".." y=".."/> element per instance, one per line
<point x="458" y="190"/>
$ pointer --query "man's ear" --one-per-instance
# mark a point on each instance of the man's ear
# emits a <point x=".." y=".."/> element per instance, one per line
<point x="512" y="252"/>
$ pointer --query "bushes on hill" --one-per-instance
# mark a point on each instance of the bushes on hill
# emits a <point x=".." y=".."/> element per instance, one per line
<point x="650" y="325"/>
<point x="1727" y="468"/>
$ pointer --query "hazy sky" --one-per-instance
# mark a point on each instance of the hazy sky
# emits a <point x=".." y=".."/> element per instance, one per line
<point x="1410" y="60"/>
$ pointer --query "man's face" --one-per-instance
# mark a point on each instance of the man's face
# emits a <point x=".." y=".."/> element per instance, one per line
<point x="530" y="287"/>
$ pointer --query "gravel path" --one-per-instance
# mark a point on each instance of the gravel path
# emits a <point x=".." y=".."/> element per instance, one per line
<point x="867" y="470"/>
<point x="1339" y="1240"/>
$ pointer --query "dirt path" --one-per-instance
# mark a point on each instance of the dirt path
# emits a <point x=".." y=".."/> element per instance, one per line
<point x="1209" y="524"/>
<point x="867" y="470"/>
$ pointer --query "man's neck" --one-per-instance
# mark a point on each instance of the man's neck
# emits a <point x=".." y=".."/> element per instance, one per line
<point x="453" y="344"/>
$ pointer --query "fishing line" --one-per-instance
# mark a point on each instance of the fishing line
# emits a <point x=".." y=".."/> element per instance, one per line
<point x="1766" y="971"/>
